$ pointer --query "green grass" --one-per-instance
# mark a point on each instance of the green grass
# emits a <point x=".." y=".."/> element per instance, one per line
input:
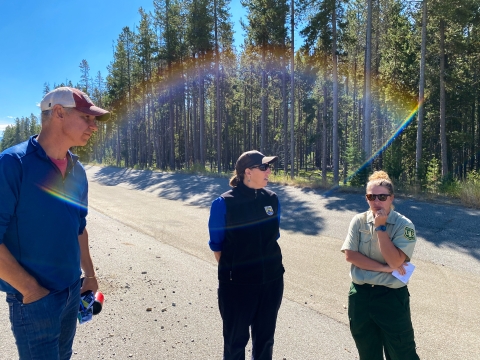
<point x="470" y="195"/>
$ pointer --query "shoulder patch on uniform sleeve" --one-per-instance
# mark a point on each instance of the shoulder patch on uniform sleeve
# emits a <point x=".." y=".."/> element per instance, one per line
<point x="409" y="233"/>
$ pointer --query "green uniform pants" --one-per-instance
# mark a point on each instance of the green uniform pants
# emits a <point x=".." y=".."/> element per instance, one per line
<point x="380" y="322"/>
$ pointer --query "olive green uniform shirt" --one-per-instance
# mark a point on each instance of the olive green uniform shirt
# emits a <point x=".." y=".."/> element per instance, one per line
<point x="362" y="237"/>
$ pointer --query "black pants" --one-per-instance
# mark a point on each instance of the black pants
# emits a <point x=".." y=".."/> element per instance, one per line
<point x="245" y="305"/>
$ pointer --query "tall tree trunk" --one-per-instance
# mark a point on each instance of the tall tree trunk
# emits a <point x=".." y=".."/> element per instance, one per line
<point x="354" y="96"/>
<point x="421" y="96"/>
<point x="263" y="128"/>
<point x="227" y="146"/>
<point x="201" y="99"/>
<point x="367" y="118"/>
<point x="380" y="125"/>
<point x="335" y="96"/>
<point x="119" y="148"/>
<point x="171" y="129"/>
<point x="292" y="80"/>
<point x="251" y="140"/>
<point x="285" y="113"/>
<point x="187" y="131"/>
<point x="324" y="136"/>
<point x="217" y="95"/>
<point x="476" y="131"/>
<point x="443" y="133"/>
<point x="318" y="147"/>
<point x="345" y="137"/>
<point x="245" y="115"/>
<point x="195" y="122"/>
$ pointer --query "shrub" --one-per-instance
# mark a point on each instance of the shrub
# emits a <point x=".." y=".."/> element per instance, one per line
<point x="469" y="191"/>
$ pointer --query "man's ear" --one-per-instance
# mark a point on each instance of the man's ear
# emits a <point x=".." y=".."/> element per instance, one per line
<point x="58" y="111"/>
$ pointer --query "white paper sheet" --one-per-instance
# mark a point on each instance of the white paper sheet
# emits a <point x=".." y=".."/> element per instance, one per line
<point x="409" y="267"/>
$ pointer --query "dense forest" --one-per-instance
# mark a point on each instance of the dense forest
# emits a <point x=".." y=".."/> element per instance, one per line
<point x="386" y="84"/>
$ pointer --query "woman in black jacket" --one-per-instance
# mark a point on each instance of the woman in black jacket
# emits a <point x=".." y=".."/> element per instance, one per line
<point x="244" y="229"/>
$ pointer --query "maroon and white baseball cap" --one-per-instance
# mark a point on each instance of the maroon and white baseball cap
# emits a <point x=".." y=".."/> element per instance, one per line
<point x="73" y="98"/>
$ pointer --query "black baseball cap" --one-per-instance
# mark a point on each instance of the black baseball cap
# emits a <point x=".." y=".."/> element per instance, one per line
<point x="252" y="158"/>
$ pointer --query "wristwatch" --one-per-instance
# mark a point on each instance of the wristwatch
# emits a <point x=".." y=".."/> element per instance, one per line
<point x="381" y="228"/>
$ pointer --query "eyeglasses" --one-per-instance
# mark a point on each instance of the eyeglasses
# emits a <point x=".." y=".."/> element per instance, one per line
<point x="262" y="167"/>
<point x="381" y="197"/>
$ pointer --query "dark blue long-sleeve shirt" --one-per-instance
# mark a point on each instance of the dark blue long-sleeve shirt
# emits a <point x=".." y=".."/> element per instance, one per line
<point x="42" y="213"/>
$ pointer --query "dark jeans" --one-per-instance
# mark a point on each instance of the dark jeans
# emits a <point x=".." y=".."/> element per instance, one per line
<point x="44" y="329"/>
<point x="244" y="306"/>
<point x="380" y="322"/>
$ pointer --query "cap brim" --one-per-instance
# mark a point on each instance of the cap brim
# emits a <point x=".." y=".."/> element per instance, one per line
<point x="269" y="159"/>
<point x="101" y="114"/>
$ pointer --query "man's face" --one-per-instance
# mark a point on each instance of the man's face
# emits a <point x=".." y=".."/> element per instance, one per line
<point x="79" y="127"/>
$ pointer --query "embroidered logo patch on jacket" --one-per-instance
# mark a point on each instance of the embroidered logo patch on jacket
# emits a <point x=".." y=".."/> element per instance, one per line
<point x="269" y="210"/>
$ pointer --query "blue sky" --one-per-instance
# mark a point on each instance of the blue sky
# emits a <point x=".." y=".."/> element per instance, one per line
<point x="45" y="41"/>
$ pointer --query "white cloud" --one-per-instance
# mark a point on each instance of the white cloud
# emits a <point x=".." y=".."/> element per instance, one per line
<point x="3" y="127"/>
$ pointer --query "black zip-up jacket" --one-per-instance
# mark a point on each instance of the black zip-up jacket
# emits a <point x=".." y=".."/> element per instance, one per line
<point x="250" y="252"/>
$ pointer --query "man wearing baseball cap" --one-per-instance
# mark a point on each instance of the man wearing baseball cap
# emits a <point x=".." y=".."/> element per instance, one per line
<point x="43" y="239"/>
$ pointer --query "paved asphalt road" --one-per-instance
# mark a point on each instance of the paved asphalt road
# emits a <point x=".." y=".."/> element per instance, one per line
<point x="149" y="242"/>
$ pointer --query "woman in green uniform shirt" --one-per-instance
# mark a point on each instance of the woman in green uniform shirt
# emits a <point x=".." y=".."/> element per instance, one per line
<point x="380" y="241"/>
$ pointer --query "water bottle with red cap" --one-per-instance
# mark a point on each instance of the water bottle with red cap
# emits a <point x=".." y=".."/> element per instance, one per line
<point x="90" y="304"/>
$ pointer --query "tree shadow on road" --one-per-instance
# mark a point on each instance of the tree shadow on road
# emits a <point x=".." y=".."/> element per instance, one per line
<point x="194" y="189"/>
<point x="442" y="225"/>
<point x="297" y="215"/>
<point x="450" y="226"/>
<point x="198" y="190"/>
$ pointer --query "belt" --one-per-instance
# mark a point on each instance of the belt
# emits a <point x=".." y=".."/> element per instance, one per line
<point x="377" y="286"/>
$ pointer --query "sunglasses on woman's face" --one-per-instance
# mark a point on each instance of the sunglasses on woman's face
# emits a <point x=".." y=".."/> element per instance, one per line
<point x="262" y="167"/>
<point x="381" y="197"/>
